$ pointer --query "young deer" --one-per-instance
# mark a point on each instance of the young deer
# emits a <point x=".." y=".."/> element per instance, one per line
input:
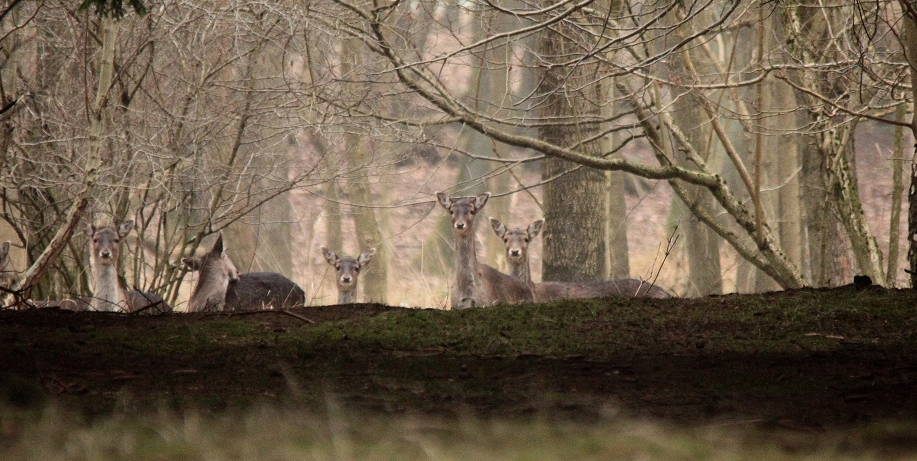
<point x="516" y="241"/>
<point x="220" y="287"/>
<point x="348" y="272"/>
<point x="476" y="284"/>
<point x="108" y="293"/>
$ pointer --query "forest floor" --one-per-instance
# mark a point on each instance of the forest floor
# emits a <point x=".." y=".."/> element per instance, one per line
<point x="803" y="359"/>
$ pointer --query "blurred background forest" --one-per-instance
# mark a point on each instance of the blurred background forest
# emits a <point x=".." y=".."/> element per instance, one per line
<point x="710" y="146"/>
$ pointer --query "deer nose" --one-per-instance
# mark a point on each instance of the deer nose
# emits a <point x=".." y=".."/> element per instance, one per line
<point x="459" y="225"/>
<point x="515" y="252"/>
<point x="345" y="279"/>
<point x="105" y="254"/>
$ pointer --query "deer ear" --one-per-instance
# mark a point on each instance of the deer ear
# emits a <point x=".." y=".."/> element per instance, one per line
<point x="329" y="256"/>
<point x="498" y="227"/>
<point x="192" y="263"/>
<point x="88" y="228"/>
<point x="535" y="228"/>
<point x="481" y="200"/>
<point x="125" y="228"/>
<point x="444" y="200"/>
<point x="367" y="256"/>
<point x="218" y="245"/>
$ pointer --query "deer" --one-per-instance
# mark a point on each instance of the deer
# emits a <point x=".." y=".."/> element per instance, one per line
<point x="108" y="293"/>
<point x="220" y="286"/>
<point x="348" y="272"/>
<point x="516" y="242"/>
<point x="476" y="284"/>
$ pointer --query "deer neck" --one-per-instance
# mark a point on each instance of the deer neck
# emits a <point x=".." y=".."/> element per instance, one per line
<point x="108" y="294"/>
<point x="210" y="291"/>
<point x="466" y="265"/>
<point x="520" y="270"/>
<point x="347" y="297"/>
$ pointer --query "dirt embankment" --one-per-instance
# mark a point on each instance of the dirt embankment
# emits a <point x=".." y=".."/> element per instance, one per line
<point x="806" y="358"/>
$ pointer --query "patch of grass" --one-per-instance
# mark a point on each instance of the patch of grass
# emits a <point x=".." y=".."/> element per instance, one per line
<point x="811" y="355"/>
<point x="811" y="320"/>
<point x="281" y="433"/>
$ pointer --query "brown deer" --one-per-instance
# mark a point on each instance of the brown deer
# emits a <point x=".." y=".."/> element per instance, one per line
<point x="220" y="287"/>
<point x="516" y="242"/>
<point x="348" y="272"/>
<point x="476" y="284"/>
<point x="108" y="294"/>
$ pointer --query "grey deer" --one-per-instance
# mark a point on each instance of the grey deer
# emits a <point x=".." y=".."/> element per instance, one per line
<point x="108" y="293"/>
<point x="348" y="272"/>
<point x="220" y="287"/>
<point x="516" y="242"/>
<point x="476" y="284"/>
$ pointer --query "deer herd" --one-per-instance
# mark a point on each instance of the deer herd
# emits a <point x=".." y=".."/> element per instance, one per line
<point x="220" y="286"/>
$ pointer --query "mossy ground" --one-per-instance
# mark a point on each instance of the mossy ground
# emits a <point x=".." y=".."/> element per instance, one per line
<point x="804" y="358"/>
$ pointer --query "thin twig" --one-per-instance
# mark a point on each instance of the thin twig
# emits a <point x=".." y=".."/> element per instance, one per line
<point x="272" y="311"/>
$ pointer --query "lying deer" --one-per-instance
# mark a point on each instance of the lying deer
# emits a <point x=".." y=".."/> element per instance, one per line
<point x="516" y="241"/>
<point x="476" y="284"/>
<point x="220" y="287"/>
<point x="108" y="294"/>
<point x="348" y="272"/>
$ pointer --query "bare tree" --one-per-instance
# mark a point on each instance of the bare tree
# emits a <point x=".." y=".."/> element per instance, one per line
<point x="185" y="115"/>
<point x="810" y="54"/>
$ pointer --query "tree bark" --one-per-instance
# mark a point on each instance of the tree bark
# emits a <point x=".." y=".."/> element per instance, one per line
<point x="618" y="261"/>
<point x="894" y="227"/>
<point x="702" y="244"/>
<point x="574" y="201"/>
<point x="374" y="280"/>
<point x="909" y="42"/>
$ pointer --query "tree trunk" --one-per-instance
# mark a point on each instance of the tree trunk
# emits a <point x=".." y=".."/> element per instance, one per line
<point x="894" y="228"/>
<point x="375" y="280"/>
<point x="574" y="200"/>
<point x="618" y="261"/>
<point x="909" y="42"/>
<point x="702" y="244"/>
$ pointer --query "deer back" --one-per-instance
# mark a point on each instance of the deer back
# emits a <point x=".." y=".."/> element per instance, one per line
<point x="145" y="302"/>
<point x="263" y="290"/>
<point x="497" y="287"/>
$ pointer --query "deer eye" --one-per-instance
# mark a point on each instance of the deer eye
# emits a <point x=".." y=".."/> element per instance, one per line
<point x="505" y="240"/>
<point x="337" y="268"/>
<point x="526" y="240"/>
<point x="356" y="269"/>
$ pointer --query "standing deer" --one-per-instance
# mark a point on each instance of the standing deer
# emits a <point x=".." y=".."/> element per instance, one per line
<point x="516" y="242"/>
<point x="476" y="284"/>
<point x="348" y="272"/>
<point x="109" y="295"/>
<point x="220" y="287"/>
